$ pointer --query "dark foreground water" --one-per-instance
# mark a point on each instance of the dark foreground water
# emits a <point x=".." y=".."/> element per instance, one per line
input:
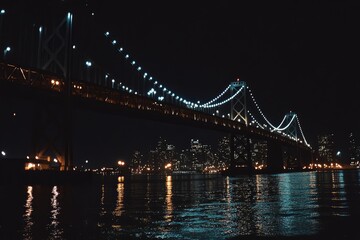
<point x="301" y="205"/>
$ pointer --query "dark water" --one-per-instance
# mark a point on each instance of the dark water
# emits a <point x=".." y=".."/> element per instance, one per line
<point x="307" y="204"/>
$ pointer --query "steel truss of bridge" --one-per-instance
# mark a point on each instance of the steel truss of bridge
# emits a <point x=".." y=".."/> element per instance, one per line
<point x="35" y="83"/>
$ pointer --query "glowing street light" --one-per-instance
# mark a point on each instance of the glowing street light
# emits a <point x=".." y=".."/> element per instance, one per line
<point x="121" y="163"/>
<point x="3" y="153"/>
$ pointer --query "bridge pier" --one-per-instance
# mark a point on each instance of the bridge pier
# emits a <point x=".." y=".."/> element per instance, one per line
<point x="282" y="158"/>
<point x="49" y="131"/>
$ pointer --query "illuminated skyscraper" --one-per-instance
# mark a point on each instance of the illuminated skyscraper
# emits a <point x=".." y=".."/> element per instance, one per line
<point x="259" y="154"/>
<point x="326" y="148"/>
<point x="224" y="152"/>
<point x="136" y="162"/>
<point x="353" y="150"/>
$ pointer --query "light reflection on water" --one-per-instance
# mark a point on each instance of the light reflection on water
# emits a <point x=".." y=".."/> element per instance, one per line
<point x="55" y="229"/>
<point x="28" y="211"/>
<point x="185" y="207"/>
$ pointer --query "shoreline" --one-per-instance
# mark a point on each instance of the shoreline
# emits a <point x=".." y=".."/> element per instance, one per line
<point x="88" y="177"/>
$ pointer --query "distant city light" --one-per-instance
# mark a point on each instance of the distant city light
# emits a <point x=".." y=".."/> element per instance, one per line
<point x="3" y="153"/>
<point x="88" y="63"/>
<point x="2" y="11"/>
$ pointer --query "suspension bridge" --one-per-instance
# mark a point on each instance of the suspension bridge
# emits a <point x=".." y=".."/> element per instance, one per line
<point x="65" y="78"/>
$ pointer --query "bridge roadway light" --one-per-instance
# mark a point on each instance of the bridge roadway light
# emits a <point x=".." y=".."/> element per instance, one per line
<point x="6" y="50"/>
<point x="88" y="65"/>
<point x="2" y="12"/>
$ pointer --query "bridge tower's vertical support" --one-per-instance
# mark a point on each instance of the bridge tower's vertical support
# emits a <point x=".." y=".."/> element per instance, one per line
<point x="292" y="129"/>
<point x="54" y="55"/>
<point x="238" y="103"/>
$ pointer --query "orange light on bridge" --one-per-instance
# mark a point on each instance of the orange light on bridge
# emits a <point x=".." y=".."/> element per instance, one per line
<point x="121" y="163"/>
<point x="55" y="82"/>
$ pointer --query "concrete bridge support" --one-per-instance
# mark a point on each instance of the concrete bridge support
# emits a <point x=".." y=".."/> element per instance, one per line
<point x="49" y="128"/>
<point x="275" y="157"/>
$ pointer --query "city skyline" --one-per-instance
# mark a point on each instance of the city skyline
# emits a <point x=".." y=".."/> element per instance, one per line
<point x="301" y="60"/>
<point x="325" y="150"/>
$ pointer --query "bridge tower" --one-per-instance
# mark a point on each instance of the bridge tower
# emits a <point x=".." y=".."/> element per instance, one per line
<point x="292" y="129"/>
<point x="240" y="145"/>
<point x="52" y="130"/>
<point x="238" y="103"/>
<point x="293" y="156"/>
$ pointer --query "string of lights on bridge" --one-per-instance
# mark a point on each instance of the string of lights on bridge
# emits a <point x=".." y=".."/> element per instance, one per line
<point x="212" y="104"/>
<point x="159" y="91"/>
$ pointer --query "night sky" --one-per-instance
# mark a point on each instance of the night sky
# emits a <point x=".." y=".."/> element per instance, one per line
<point x="300" y="56"/>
